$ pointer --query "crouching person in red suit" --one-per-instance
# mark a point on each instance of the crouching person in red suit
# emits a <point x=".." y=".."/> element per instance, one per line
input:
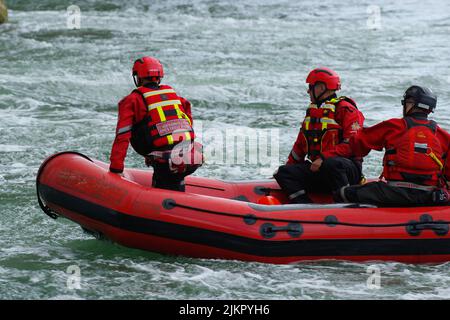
<point x="159" y="125"/>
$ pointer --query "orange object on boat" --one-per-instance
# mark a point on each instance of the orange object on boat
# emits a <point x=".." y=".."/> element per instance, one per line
<point x="269" y="200"/>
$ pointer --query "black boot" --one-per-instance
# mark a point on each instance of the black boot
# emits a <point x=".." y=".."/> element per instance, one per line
<point x="301" y="199"/>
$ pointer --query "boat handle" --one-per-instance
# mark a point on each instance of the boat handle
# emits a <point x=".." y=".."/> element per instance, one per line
<point x="269" y="230"/>
<point x="426" y="222"/>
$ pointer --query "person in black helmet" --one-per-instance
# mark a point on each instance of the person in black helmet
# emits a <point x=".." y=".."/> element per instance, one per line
<point x="415" y="166"/>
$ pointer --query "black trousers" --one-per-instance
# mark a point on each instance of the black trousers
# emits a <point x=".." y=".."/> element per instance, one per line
<point x="297" y="180"/>
<point x="381" y="194"/>
<point x="163" y="178"/>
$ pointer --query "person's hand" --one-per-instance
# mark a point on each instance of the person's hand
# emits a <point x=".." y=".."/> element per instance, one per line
<point x="315" y="166"/>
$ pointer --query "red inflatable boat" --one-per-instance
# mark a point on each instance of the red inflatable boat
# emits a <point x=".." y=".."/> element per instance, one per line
<point x="221" y="219"/>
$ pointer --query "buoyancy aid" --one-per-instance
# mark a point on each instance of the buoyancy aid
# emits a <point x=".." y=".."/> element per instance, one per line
<point x="416" y="155"/>
<point x="320" y="129"/>
<point x="165" y="124"/>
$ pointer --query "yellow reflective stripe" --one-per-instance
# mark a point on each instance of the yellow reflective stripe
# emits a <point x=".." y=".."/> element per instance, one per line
<point x="162" y="116"/>
<point x="328" y="120"/>
<point x="188" y="136"/>
<point x="179" y="113"/>
<point x="436" y="159"/>
<point x="163" y="104"/>
<point x="187" y="118"/>
<point x="307" y="121"/>
<point x="170" y="139"/>
<point x="182" y="115"/>
<point x="363" y="180"/>
<point x="154" y="93"/>
<point x="324" y="121"/>
<point x="331" y="107"/>
<point x="338" y="99"/>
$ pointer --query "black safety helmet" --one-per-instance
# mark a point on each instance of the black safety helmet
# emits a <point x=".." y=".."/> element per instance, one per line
<point x="423" y="97"/>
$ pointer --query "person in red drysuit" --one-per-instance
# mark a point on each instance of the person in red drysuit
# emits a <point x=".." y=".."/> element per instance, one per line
<point x="415" y="164"/>
<point x="158" y="123"/>
<point x="314" y="164"/>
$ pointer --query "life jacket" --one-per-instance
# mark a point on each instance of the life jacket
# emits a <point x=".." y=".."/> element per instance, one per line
<point x="320" y="129"/>
<point x="165" y="124"/>
<point x="416" y="155"/>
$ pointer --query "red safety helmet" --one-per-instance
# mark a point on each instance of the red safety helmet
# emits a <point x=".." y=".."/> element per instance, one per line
<point x="325" y="75"/>
<point x="147" y="67"/>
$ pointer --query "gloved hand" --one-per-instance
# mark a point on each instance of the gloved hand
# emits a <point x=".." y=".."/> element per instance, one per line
<point x="315" y="166"/>
<point x="178" y="168"/>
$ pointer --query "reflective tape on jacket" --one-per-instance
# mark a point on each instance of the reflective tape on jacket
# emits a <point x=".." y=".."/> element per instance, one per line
<point x="415" y="155"/>
<point x="167" y="123"/>
<point x="410" y="185"/>
<point x="325" y="122"/>
<point x="156" y="92"/>
<point x="295" y="156"/>
<point x="124" y="129"/>
<point x="320" y="128"/>
<point x="164" y="104"/>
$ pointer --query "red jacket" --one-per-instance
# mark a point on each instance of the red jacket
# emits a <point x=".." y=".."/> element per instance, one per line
<point x="349" y="118"/>
<point x="131" y="110"/>
<point x="380" y="135"/>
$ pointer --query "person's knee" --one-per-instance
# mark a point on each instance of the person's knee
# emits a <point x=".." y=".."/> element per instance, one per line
<point x="331" y="164"/>
<point x="338" y="195"/>
<point x="346" y="194"/>
<point x="336" y="163"/>
<point x="282" y="172"/>
<point x="330" y="161"/>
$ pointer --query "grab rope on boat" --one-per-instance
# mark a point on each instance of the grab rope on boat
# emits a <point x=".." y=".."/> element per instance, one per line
<point x="45" y="208"/>
<point x="441" y="227"/>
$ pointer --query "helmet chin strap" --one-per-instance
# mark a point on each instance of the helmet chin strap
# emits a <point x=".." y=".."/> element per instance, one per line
<point x="136" y="80"/>
<point x="318" y="100"/>
<point x="405" y="113"/>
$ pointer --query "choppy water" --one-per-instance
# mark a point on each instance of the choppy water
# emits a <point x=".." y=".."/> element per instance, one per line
<point x="243" y="65"/>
